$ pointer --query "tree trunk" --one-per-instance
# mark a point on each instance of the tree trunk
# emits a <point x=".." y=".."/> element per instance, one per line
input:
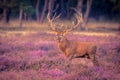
<point x="89" y="3"/>
<point x="79" y="5"/>
<point x="8" y="15"/>
<point x="79" y="8"/>
<point x="37" y="10"/>
<point x="24" y="16"/>
<point x="20" y="17"/>
<point x="63" y="9"/>
<point x="5" y="12"/>
<point x="4" y="15"/>
<point x="43" y="12"/>
<point x="50" y="7"/>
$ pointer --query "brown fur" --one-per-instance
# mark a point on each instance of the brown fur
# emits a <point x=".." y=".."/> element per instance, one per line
<point x="78" y="49"/>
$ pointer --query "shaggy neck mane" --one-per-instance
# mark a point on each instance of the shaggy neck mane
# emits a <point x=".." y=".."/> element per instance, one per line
<point x="63" y="44"/>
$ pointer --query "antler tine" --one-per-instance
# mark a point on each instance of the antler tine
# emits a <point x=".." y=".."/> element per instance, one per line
<point x="56" y="17"/>
<point x="51" y="20"/>
<point x="78" y="16"/>
<point x="76" y="11"/>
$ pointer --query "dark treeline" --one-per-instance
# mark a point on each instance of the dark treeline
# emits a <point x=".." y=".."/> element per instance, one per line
<point x="38" y="9"/>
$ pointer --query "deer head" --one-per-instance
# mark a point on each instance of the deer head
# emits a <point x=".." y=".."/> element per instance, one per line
<point x="60" y="30"/>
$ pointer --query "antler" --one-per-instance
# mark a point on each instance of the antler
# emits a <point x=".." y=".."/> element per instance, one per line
<point x="51" y="21"/>
<point x="79" y="18"/>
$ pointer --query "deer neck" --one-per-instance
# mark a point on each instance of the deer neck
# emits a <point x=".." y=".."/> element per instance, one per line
<point x="63" y="44"/>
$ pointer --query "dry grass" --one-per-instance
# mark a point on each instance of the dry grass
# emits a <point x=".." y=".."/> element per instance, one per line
<point x="30" y="27"/>
<point x="106" y="25"/>
<point x="91" y="25"/>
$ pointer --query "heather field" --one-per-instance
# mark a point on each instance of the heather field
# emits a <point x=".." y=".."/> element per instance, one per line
<point x="38" y="38"/>
<point x="27" y="54"/>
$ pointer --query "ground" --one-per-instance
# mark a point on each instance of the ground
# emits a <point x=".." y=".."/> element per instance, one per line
<point x="27" y="54"/>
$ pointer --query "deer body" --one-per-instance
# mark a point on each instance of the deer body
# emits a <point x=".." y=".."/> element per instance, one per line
<point x="73" y="49"/>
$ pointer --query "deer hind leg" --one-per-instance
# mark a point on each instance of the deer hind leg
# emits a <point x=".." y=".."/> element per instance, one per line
<point x="92" y="57"/>
<point x="92" y="54"/>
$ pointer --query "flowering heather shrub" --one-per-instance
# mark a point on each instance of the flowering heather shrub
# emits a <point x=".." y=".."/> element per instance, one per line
<point x="37" y="57"/>
<point x="37" y="54"/>
<point x="53" y="72"/>
<point x="21" y="75"/>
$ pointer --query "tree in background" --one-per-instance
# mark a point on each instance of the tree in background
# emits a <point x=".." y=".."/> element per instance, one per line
<point x="87" y="11"/>
<point x="63" y="9"/>
<point x="5" y="11"/>
<point x="79" y="8"/>
<point x="116" y="9"/>
<point x="70" y="3"/>
<point x="89" y="3"/>
<point x="51" y="7"/>
<point x="21" y="15"/>
<point x="6" y="5"/>
<point x="80" y="5"/>
<point x="44" y="10"/>
<point x="37" y="10"/>
<point x="26" y="11"/>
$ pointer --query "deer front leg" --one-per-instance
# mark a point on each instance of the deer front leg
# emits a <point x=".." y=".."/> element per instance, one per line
<point x="69" y="54"/>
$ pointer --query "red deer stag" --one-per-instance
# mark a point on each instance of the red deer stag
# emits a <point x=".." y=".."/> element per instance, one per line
<point x="72" y="49"/>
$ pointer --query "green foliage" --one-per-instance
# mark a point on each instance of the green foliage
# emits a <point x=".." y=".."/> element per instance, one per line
<point x="29" y="10"/>
<point x="104" y="8"/>
<point x="27" y="7"/>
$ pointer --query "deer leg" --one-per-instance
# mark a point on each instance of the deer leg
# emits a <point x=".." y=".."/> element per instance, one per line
<point x="69" y="60"/>
<point x="71" y="57"/>
<point x="95" y="61"/>
<point x="69" y="54"/>
<point x="92" y="57"/>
